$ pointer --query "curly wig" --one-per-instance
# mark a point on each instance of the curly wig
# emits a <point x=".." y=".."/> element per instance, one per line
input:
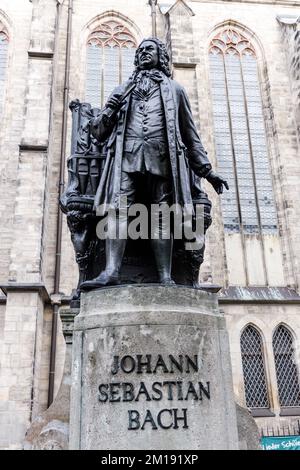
<point x="163" y="56"/>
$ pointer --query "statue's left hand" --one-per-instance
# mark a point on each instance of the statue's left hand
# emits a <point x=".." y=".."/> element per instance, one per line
<point x="217" y="182"/>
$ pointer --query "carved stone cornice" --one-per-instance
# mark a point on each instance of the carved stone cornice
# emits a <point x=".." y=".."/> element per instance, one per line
<point x="67" y="317"/>
<point x="259" y="295"/>
<point x="288" y="20"/>
<point x="37" y="287"/>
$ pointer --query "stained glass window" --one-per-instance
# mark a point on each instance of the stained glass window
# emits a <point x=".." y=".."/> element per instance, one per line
<point x="254" y="369"/>
<point x="286" y="368"/>
<point x="240" y="137"/>
<point x="110" y="56"/>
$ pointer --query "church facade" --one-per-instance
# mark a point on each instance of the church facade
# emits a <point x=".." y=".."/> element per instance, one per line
<point x="240" y="64"/>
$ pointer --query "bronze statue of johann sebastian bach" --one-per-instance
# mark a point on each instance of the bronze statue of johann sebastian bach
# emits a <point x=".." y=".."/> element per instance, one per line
<point x="148" y="122"/>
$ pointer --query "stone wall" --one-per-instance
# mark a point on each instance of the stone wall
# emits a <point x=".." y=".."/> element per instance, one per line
<point x="25" y="173"/>
<point x="17" y="19"/>
<point x="290" y="27"/>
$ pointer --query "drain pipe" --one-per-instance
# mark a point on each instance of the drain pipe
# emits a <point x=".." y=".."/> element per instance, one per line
<point x="56" y="302"/>
<point x="153" y="4"/>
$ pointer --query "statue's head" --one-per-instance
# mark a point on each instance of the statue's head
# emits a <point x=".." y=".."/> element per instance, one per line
<point x="152" y="53"/>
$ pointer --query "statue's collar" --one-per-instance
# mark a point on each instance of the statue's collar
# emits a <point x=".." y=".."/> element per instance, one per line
<point x="154" y="74"/>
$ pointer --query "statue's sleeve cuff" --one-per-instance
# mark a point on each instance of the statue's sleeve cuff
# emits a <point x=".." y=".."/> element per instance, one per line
<point x="206" y="171"/>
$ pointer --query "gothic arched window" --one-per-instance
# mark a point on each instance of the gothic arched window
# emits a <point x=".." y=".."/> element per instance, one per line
<point x="242" y="153"/>
<point x="3" y="64"/>
<point x="286" y="368"/>
<point x="254" y="369"/>
<point x="110" y="56"/>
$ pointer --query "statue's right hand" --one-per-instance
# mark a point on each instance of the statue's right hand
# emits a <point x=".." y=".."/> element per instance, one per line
<point x="114" y="102"/>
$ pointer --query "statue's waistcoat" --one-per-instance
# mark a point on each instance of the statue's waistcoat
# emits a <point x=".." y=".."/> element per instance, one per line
<point x="145" y="145"/>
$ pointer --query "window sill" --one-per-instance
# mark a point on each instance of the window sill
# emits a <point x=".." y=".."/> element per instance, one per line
<point x="261" y="413"/>
<point x="290" y="411"/>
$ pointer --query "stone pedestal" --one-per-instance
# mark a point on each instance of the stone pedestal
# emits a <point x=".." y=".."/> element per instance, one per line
<point x="151" y="370"/>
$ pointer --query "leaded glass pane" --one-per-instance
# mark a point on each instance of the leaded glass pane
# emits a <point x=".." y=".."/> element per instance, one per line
<point x="286" y="368"/>
<point x="241" y="144"/>
<point x="259" y="145"/>
<point x="94" y="75"/>
<point x="110" y="58"/>
<point x="127" y="62"/>
<point x="223" y="142"/>
<point x="246" y="140"/>
<point x="254" y="369"/>
<point x="111" y="70"/>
